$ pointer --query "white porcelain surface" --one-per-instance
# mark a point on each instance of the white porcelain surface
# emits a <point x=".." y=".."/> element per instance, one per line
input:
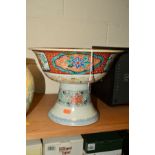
<point x="75" y="78"/>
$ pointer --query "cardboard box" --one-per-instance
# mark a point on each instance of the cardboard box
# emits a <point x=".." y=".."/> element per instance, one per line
<point x="106" y="143"/>
<point x="63" y="146"/>
<point x="34" y="147"/>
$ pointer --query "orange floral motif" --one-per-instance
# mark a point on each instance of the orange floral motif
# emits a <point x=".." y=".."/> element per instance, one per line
<point x="77" y="99"/>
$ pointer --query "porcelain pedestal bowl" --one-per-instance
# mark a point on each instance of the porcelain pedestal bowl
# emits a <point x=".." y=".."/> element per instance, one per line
<point x="75" y="69"/>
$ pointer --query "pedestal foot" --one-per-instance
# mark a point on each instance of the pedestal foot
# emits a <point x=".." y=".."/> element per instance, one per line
<point x="73" y="106"/>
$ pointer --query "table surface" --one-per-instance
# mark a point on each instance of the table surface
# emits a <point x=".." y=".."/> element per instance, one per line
<point x="38" y="125"/>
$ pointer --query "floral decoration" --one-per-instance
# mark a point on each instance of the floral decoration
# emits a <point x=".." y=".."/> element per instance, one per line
<point x="77" y="99"/>
<point x="78" y="62"/>
<point x="73" y="98"/>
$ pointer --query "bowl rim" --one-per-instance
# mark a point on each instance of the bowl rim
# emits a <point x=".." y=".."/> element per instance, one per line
<point x="64" y="49"/>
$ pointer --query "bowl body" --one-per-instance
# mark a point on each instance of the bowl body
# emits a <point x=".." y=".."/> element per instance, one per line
<point x="75" y="65"/>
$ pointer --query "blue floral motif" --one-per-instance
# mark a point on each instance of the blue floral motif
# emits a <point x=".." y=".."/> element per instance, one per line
<point x="77" y="62"/>
<point x="70" y="63"/>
